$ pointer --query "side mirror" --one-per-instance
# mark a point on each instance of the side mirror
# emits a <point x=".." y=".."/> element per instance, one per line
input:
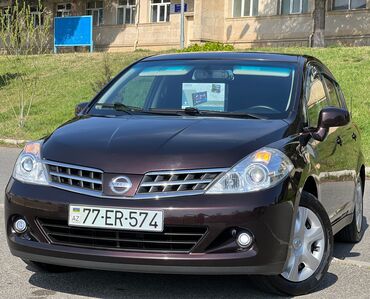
<point x="330" y="117"/>
<point x="80" y="108"/>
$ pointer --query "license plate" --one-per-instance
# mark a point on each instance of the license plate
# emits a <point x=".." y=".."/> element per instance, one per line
<point x="115" y="218"/>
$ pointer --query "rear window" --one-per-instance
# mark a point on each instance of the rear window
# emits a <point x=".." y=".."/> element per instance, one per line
<point x="259" y="88"/>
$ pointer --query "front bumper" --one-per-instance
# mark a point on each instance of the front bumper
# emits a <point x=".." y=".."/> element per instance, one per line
<point x="267" y="214"/>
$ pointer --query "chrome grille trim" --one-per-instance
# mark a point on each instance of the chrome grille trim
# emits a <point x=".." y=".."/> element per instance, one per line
<point x="75" y="178"/>
<point x="200" y="184"/>
<point x="168" y="183"/>
<point x="172" y="183"/>
<point x="71" y="166"/>
<point x="188" y="171"/>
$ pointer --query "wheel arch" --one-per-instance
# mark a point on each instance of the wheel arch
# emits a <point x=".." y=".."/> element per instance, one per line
<point x="310" y="186"/>
<point x="363" y="177"/>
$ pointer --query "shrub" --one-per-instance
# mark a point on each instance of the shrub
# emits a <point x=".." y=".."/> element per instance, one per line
<point x="105" y="77"/>
<point x="209" y="46"/>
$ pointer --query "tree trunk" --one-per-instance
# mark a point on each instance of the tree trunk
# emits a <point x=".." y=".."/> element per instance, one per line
<point x="318" y="38"/>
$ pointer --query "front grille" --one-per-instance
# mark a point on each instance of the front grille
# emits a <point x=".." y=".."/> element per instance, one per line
<point x="189" y="181"/>
<point x="176" y="239"/>
<point x="76" y="177"/>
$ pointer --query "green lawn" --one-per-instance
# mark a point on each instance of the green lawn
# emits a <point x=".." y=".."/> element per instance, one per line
<point x="66" y="79"/>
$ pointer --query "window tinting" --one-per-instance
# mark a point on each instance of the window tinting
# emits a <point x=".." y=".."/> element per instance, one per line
<point x="315" y="96"/>
<point x="341" y="96"/>
<point x="333" y="96"/>
<point x="259" y="88"/>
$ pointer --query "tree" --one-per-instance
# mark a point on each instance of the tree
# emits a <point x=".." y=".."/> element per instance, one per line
<point x="318" y="38"/>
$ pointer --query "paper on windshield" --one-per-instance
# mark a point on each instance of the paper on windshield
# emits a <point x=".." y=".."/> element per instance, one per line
<point x="204" y="96"/>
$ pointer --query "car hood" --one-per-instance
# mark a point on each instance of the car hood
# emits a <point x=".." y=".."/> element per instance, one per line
<point x="138" y="144"/>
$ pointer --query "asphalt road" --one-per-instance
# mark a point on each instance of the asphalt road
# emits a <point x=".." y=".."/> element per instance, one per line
<point x="348" y="277"/>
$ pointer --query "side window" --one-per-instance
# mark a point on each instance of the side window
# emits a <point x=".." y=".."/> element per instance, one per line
<point x="333" y="100"/>
<point x="341" y="96"/>
<point x="315" y="96"/>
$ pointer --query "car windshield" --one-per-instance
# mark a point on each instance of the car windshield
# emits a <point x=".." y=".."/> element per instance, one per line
<point x="201" y="87"/>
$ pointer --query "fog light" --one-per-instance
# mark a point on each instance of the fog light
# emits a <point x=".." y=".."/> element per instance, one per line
<point x="244" y="240"/>
<point x="20" y="226"/>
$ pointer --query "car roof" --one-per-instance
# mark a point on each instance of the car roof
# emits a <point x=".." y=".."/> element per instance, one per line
<point x="276" y="57"/>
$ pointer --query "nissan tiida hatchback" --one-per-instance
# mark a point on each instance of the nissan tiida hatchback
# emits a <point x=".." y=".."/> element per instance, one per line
<point x="210" y="163"/>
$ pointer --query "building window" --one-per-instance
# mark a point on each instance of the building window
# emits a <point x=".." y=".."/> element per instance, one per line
<point x="348" y="4"/>
<point x="289" y="7"/>
<point x="95" y="9"/>
<point x="126" y="12"/>
<point x="245" y="8"/>
<point x="6" y="13"/>
<point x="37" y="16"/>
<point x="160" y="10"/>
<point x="64" y="9"/>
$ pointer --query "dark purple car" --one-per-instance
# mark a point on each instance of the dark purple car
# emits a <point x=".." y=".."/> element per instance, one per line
<point x="210" y="163"/>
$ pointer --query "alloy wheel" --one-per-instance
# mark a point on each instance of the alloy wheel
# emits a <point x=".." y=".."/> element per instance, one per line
<point x="308" y="246"/>
<point x="358" y="206"/>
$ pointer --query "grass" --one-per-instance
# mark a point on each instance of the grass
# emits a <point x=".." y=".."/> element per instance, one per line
<point x="65" y="80"/>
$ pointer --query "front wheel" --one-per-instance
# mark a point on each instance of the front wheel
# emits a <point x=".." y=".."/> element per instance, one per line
<point x="310" y="254"/>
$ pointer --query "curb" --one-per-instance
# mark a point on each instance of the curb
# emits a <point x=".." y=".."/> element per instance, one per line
<point x="361" y="264"/>
<point x="13" y="141"/>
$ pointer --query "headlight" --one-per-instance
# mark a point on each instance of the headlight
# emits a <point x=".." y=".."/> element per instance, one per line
<point x="260" y="170"/>
<point x="29" y="168"/>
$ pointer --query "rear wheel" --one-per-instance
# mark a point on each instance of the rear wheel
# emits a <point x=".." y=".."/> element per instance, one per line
<point x="354" y="231"/>
<point x="310" y="254"/>
<point x="48" y="268"/>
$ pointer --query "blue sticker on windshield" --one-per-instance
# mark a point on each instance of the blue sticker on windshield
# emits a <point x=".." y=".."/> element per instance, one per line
<point x="262" y="71"/>
<point x="177" y="70"/>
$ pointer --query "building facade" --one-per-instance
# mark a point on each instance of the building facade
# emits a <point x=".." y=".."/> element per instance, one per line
<point x="122" y="25"/>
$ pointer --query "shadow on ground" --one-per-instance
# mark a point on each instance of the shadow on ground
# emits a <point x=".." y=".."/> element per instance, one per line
<point x="345" y="250"/>
<point x="104" y="284"/>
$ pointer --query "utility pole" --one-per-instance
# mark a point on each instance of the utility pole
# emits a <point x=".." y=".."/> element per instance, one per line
<point x="182" y="30"/>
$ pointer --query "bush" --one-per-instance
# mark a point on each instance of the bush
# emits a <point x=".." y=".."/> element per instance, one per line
<point x="209" y="46"/>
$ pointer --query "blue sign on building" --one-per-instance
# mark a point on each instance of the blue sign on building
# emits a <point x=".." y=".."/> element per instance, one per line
<point x="176" y="8"/>
<point x="73" y="31"/>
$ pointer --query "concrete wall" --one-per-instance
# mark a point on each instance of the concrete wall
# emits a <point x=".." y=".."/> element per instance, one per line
<point x="348" y="28"/>
<point x="265" y="31"/>
<point x="209" y="18"/>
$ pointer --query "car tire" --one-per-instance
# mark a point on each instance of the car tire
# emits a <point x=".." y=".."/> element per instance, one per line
<point x="283" y="284"/>
<point x="353" y="232"/>
<point x="48" y="268"/>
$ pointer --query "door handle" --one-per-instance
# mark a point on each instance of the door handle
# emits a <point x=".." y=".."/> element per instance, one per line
<point x="339" y="141"/>
<point x="354" y="136"/>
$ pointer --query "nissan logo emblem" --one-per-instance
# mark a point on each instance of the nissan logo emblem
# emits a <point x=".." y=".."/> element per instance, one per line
<point x="120" y="185"/>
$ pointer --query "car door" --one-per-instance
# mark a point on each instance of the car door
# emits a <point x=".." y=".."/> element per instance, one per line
<point x="327" y="155"/>
<point x="345" y="156"/>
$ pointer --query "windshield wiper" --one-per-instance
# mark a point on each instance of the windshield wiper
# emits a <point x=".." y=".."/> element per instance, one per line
<point x="120" y="107"/>
<point x="196" y="111"/>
